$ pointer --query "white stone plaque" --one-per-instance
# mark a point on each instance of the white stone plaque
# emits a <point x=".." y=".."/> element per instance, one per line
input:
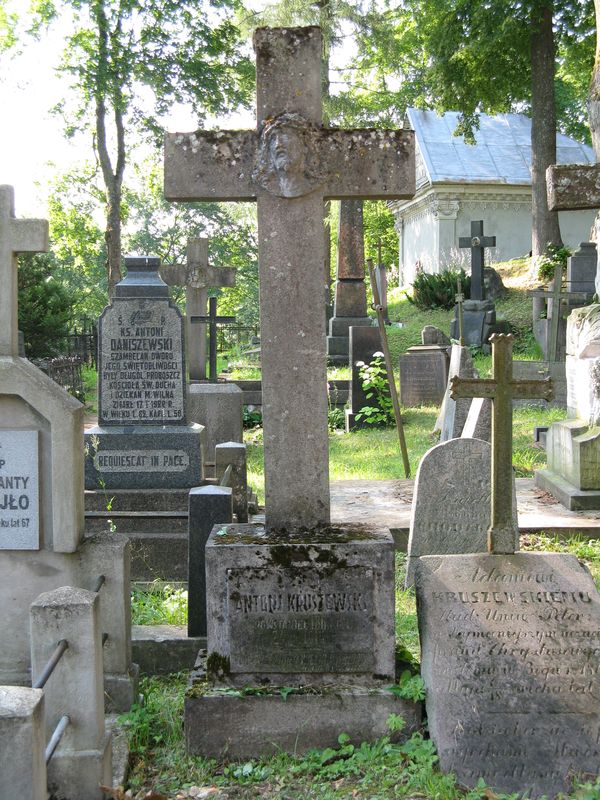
<point x="19" y="490"/>
<point x="142" y="461"/>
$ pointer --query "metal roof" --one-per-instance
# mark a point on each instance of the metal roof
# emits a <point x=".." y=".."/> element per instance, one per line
<point x="502" y="153"/>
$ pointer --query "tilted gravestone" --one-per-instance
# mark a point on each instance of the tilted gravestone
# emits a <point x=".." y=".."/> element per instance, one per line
<point x="350" y="299"/>
<point x="451" y="506"/>
<point x="573" y="445"/>
<point x="423" y="375"/>
<point x="41" y="492"/>
<point x="299" y="603"/>
<point x="478" y="424"/>
<point x="453" y="413"/>
<point x="507" y="639"/>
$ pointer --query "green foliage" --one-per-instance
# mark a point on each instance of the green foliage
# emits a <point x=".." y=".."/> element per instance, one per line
<point x="45" y="306"/>
<point x="159" y="603"/>
<point x="438" y="290"/>
<point x="251" y="417"/>
<point x="157" y="721"/>
<point x="554" y="256"/>
<point x="409" y="687"/>
<point x="374" y="381"/>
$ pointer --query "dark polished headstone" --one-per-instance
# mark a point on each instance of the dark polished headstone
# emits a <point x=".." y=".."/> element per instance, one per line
<point x="364" y="343"/>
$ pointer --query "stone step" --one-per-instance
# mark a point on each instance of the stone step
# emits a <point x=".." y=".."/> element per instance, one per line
<point x="159" y="556"/>
<point x="162" y="649"/>
<point x="137" y="521"/>
<point x="137" y="500"/>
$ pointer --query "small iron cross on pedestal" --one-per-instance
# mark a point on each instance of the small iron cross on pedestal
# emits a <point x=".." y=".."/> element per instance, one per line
<point x="213" y="320"/>
<point x="477" y="242"/>
<point x="502" y="389"/>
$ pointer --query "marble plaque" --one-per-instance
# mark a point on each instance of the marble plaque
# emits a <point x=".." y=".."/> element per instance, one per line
<point x="285" y="622"/>
<point x="511" y="662"/>
<point x="141" y="365"/>
<point x="19" y="491"/>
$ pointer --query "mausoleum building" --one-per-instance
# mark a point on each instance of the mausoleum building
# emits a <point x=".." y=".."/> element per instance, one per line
<point x="489" y="180"/>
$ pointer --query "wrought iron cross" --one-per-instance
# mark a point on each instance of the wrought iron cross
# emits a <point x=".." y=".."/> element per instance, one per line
<point x="213" y="320"/>
<point x="502" y="389"/>
<point x="477" y="242"/>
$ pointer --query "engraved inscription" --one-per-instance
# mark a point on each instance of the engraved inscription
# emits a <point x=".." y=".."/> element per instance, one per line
<point x="287" y="622"/>
<point x="19" y="490"/>
<point x="141" y="363"/>
<point x="141" y="461"/>
<point x="511" y="659"/>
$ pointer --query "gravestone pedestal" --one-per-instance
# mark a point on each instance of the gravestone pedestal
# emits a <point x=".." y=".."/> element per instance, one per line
<point x="479" y="320"/>
<point x="287" y="610"/>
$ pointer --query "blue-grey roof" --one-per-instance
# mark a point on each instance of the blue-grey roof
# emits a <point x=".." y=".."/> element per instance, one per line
<point x="502" y="153"/>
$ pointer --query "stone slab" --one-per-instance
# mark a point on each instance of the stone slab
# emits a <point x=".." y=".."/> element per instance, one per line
<point x="423" y="376"/>
<point x="340" y="326"/>
<point x="453" y="413"/>
<point x="141" y="364"/>
<point x="478" y="424"/>
<point x="325" y="599"/>
<point x="219" y="407"/>
<point x="140" y="457"/>
<point x="225" y="726"/>
<point x="566" y="493"/>
<point x="350" y="298"/>
<point x="510" y="663"/>
<point x="19" y="490"/>
<point x="164" y="649"/>
<point x="451" y="506"/>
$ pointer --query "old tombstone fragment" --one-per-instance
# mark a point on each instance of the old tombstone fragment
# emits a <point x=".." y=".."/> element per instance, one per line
<point x="573" y="445"/>
<point x="581" y="269"/>
<point x="453" y="413"/>
<point x="42" y="546"/>
<point x="212" y="319"/>
<point x="451" y="507"/>
<point x="142" y="440"/>
<point x="505" y="640"/>
<point x="273" y="608"/>
<point x="423" y="375"/>
<point x="432" y="335"/>
<point x="350" y="298"/>
<point x="197" y="277"/>
<point x="479" y="313"/>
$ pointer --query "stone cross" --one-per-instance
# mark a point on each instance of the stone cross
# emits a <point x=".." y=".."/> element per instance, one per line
<point x="502" y="389"/>
<point x="290" y="164"/>
<point x="477" y="242"/>
<point x="16" y="236"/>
<point x="213" y="320"/>
<point x="197" y="277"/>
<point x="460" y="299"/>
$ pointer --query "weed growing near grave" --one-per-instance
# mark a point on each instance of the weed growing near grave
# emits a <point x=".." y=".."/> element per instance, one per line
<point x="90" y="387"/>
<point x="158" y="603"/>
<point x="374" y="382"/>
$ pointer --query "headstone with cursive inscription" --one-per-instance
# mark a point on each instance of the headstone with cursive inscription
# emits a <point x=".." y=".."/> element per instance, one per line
<point x="143" y="440"/>
<point x="510" y="661"/>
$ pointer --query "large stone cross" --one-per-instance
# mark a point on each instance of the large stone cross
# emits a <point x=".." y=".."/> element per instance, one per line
<point x="16" y="236"/>
<point x="290" y="164"/>
<point x="197" y="277"/>
<point x="477" y="242"/>
<point x="502" y="389"/>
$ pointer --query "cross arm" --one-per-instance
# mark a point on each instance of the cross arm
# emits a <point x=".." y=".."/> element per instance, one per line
<point x="573" y="187"/>
<point x="205" y="319"/>
<point x="532" y="389"/>
<point x="210" y="166"/>
<point x="472" y="387"/>
<point x="372" y="164"/>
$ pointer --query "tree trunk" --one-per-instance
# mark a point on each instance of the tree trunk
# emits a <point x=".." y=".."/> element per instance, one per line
<point x="545" y="227"/>
<point x="594" y="91"/>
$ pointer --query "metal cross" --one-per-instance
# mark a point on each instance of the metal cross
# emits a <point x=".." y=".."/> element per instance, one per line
<point x="460" y="299"/>
<point x="16" y="236"/>
<point x="213" y="320"/>
<point x="502" y="389"/>
<point x="477" y="242"/>
<point x="557" y="296"/>
<point x="197" y="277"/>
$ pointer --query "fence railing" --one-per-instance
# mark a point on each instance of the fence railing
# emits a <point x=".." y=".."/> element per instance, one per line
<point x="230" y="336"/>
<point x="66" y="371"/>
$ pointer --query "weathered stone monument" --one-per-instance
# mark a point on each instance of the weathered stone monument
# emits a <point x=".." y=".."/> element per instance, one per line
<point x="507" y="641"/>
<point x="295" y="601"/>
<point x="350" y="299"/>
<point x="197" y="277"/>
<point x="479" y="313"/>
<point x="423" y="375"/>
<point x="451" y="506"/>
<point x="573" y="445"/>
<point x="41" y="493"/>
<point x="453" y="413"/>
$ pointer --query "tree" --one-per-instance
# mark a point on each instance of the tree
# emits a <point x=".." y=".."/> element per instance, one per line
<point x="594" y="90"/>
<point x="128" y="61"/>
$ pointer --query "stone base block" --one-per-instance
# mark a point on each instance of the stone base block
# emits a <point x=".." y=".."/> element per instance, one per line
<point x="566" y="493"/>
<point x="121" y="691"/>
<point x="338" y="346"/>
<point x="162" y="649"/>
<point x="218" y="726"/>
<point x="573" y="451"/>
<point x="144" y="457"/>
<point x="162" y="556"/>
<point x="340" y="326"/>
<point x="219" y="407"/>
<point x="77" y="775"/>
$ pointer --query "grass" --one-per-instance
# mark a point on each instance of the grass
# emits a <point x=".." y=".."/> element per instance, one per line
<point x="159" y="603"/>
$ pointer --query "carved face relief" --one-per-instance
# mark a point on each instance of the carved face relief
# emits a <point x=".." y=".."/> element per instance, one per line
<point x="288" y="159"/>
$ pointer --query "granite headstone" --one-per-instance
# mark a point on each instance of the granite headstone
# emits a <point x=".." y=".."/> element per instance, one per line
<point x="423" y="375"/>
<point x="364" y="343"/>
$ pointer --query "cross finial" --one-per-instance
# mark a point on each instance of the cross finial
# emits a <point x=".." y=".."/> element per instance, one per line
<point x="477" y="242"/>
<point x="502" y="389"/>
<point x="16" y="236"/>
